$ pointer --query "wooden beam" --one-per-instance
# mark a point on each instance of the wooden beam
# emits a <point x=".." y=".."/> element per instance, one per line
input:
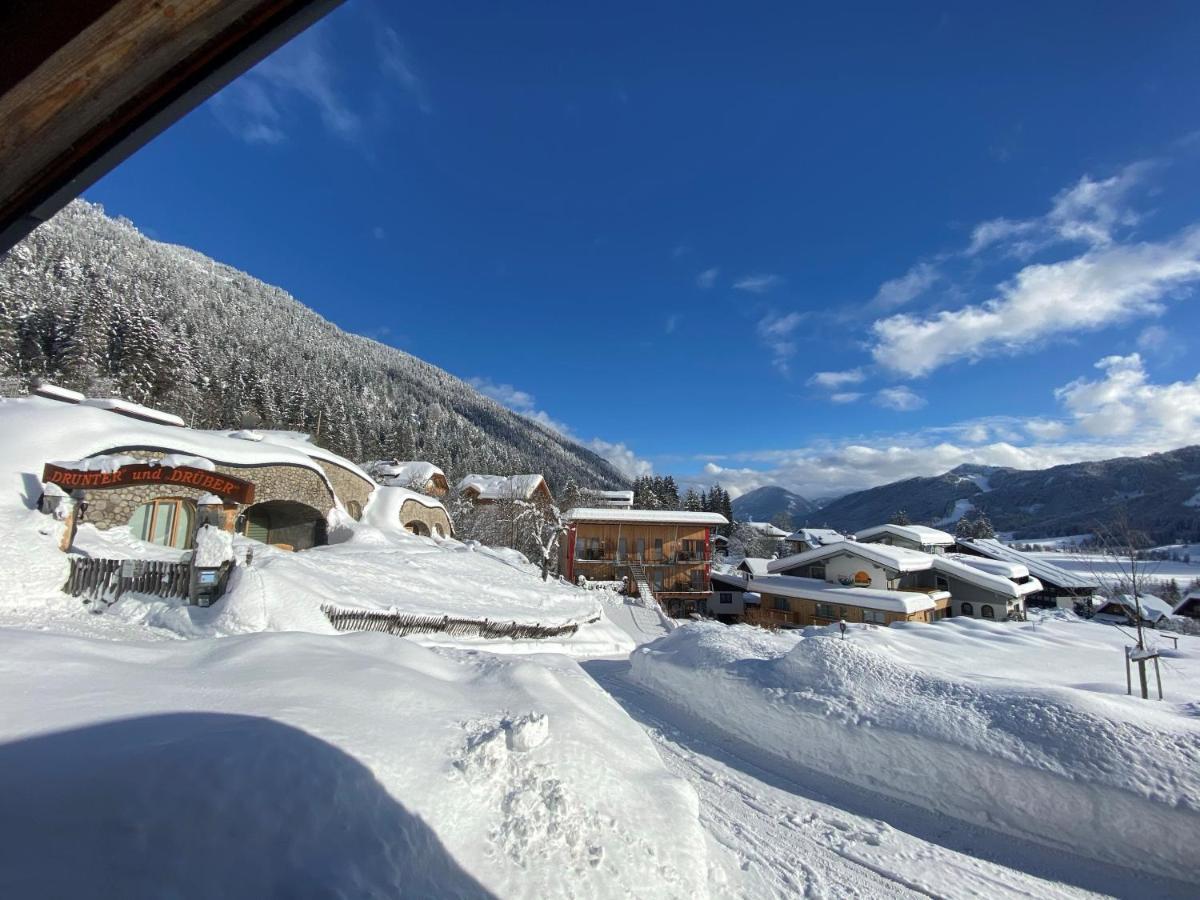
<point x="97" y="79"/>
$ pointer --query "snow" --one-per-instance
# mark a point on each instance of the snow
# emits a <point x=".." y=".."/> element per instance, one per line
<point x="965" y="719"/>
<point x="1037" y="563"/>
<point x="870" y="598"/>
<point x="900" y="559"/>
<point x="403" y="474"/>
<point x="816" y="537"/>
<point x="1153" y="608"/>
<point x="766" y="529"/>
<point x="961" y="508"/>
<point x="756" y="565"/>
<point x="301" y="765"/>
<point x="658" y="516"/>
<point x="302" y="443"/>
<point x="1098" y="568"/>
<point x="994" y="566"/>
<point x="111" y="462"/>
<point x="383" y="509"/>
<point x="134" y="410"/>
<point x="919" y="534"/>
<point x="213" y="546"/>
<point x="502" y="487"/>
<point x="62" y="394"/>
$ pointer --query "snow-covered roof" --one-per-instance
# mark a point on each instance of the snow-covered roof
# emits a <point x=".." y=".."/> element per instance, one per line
<point x="995" y="566"/>
<point x="766" y="529"/>
<point x="404" y="473"/>
<point x="816" y="537"/>
<point x="918" y="534"/>
<point x="733" y="580"/>
<point x="869" y="598"/>
<point x="1188" y="599"/>
<point x="1153" y="608"/>
<point x="998" y="584"/>
<point x="88" y="430"/>
<point x="133" y="410"/>
<point x="620" y="498"/>
<point x="901" y="559"/>
<point x="386" y="503"/>
<point x="755" y="565"/>
<point x="1044" y="571"/>
<point x="300" y="441"/>
<point x="54" y="392"/>
<point x="502" y="487"/>
<point x="645" y="516"/>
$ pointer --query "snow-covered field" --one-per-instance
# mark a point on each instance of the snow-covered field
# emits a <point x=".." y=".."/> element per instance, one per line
<point x="1104" y="568"/>
<point x="311" y="765"/>
<point x="1023" y="729"/>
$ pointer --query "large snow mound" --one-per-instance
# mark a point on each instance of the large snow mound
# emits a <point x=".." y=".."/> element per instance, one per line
<point x="302" y="765"/>
<point x="956" y="717"/>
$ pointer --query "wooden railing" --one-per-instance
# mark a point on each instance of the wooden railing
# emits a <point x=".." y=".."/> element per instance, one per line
<point x="411" y="623"/>
<point x="108" y="579"/>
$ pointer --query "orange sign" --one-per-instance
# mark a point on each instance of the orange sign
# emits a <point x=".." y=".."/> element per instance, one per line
<point x="862" y="579"/>
<point x="225" y="486"/>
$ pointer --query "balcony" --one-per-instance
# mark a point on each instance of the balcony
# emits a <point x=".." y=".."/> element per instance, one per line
<point x="648" y="559"/>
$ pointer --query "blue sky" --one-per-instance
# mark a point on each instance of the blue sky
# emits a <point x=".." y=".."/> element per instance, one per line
<point x="760" y="243"/>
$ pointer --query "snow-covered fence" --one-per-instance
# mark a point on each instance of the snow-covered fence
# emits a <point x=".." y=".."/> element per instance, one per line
<point x="399" y="623"/>
<point x="109" y="579"/>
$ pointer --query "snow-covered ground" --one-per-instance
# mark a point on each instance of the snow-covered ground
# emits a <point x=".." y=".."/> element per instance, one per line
<point x="314" y="765"/>
<point x="1104" y="568"/>
<point x="1021" y="729"/>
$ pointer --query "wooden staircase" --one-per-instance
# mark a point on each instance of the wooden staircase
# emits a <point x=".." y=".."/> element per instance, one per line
<point x="638" y="572"/>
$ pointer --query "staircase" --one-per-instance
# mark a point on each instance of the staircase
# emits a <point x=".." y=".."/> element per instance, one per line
<point x="638" y="572"/>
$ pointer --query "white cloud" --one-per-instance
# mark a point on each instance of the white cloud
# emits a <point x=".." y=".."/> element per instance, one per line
<point x="524" y="403"/>
<point x="259" y="107"/>
<point x="1120" y="413"/>
<point x="901" y="398"/>
<point x="775" y="331"/>
<point x="395" y="62"/>
<point x="1153" y="338"/>
<point x="706" y="279"/>
<point x="845" y="397"/>
<point x="1101" y="287"/>
<point x="912" y="284"/>
<point x="758" y="284"/>
<point x="837" y="379"/>
<point x="1088" y="211"/>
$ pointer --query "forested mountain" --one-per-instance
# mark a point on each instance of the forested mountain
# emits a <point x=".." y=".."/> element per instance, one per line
<point x="1160" y="493"/>
<point x="88" y="302"/>
<point x="769" y="502"/>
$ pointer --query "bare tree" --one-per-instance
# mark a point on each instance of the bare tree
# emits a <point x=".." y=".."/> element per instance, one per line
<point x="1127" y="572"/>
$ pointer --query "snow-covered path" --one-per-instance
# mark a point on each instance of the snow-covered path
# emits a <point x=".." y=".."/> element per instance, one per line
<point x="785" y="837"/>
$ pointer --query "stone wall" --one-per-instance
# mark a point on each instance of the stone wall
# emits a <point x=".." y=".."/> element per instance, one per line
<point x="432" y="517"/>
<point x="112" y="507"/>
<point x="347" y="485"/>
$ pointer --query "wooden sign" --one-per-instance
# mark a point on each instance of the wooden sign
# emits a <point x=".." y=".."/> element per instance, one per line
<point x="224" y="486"/>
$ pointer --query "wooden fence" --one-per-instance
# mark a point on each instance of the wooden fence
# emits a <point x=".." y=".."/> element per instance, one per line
<point x="108" y="579"/>
<point x="410" y="623"/>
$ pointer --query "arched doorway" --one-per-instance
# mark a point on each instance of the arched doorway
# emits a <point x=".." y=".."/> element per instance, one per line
<point x="286" y="523"/>
<point x="166" y="520"/>
<point x="416" y="526"/>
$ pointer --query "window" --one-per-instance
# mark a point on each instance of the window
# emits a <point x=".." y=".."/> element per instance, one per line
<point x="622" y="548"/>
<point x="817" y="571"/>
<point x="987" y="611"/>
<point x="697" y="580"/>
<point x="941" y="583"/>
<point x="825" y="611"/>
<point x="641" y="548"/>
<point x="167" y="521"/>
<point x="780" y="603"/>
<point x="874" y="616"/>
<point x="658" y="548"/>
<point x="968" y="609"/>
<point x="658" y="579"/>
<point x="726" y="597"/>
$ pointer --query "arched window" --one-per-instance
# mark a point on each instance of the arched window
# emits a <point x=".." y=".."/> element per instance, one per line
<point x="438" y="530"/>
<point x="968" y="609"/>
<point x="987" y="611"/>
<point x="167" y="521"/>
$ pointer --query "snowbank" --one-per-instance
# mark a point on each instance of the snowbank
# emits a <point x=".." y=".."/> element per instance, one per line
<point x="299" y="765"/>
<point x="902" y="712"/>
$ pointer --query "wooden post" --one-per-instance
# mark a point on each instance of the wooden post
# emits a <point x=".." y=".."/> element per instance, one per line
<point x="1158" y="676"/>
<point x="1128" y="675"/>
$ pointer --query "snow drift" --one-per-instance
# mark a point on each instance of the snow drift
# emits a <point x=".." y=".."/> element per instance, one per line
<point x="306" y="765"/>
<point x="1065" y="767"/>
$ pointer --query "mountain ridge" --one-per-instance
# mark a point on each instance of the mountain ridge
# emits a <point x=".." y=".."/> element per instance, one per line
<point x="89" y="302"/>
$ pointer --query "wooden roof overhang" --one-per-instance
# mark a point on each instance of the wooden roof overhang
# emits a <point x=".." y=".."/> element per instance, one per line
<point x="85" y="83"/>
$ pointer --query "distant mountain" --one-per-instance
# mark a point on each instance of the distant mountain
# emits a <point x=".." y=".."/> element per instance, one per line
<point x="765" y="503"/>
<point x="90" y="303"/>
<point x="1160" y="493"/>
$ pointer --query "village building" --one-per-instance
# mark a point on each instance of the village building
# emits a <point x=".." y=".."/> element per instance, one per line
<point x="416" y="475"/>
<point x="484" y="489"/>
<point x="665" y="554"/>
<point x="804" y="539"/>
<point x="753" y="566"/>
<point x="144" y="469"/>
<point x="1124" y="608"/>
<point x="418" y="513"/>
<point x="608" y="499"/>
<point x="1060" y="587"/>
<point x="731" y="592"/>
<point x="910" y="537"/>
<point x="766" y="530"/>
<point x="899" y="584"/>
<point x="1189" y="606"/>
